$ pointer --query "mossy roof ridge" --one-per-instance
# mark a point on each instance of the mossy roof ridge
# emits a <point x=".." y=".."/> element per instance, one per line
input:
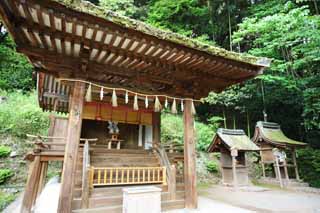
<point x="237" y="139"/>
<point x="90" y="8"/>
<point x="273" y="133"/>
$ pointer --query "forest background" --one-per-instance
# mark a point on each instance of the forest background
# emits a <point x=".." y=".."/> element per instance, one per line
<point x="288" y="32"/>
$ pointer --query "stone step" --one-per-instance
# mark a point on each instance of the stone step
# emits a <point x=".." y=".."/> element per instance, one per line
<point x="165" y="206"/>
<point x="112" y="209"/>
<point x="125" y="164"/>
<point x="116" y="200"/>
<point x="306" y="190"/>
<point x="114" y="190"/>
<point x="172" y="204"/>
<point x="118" y="151"/>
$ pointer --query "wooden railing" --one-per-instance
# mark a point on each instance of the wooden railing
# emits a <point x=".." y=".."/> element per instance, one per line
<point x="86" y="173"/>
<point x="106" y="176"/>
<point x="171" y="169"/>
<point x="173" y="148"/>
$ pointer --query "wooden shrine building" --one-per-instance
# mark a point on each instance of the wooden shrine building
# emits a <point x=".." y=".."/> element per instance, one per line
<point x="269" y="136"/>
<point x="233" y="145"/>
<point x="112" y="76"/>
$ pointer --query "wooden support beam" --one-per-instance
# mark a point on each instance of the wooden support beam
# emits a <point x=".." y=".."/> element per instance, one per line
<point x="190" y="177"/>
<point x="156" y="123"/>
<point x="234" y="171"/>
<point x="71" y="151"/>
<point x="31" y="189"/>
<point x="42" y="176"/>
<point x="294" y="159"/>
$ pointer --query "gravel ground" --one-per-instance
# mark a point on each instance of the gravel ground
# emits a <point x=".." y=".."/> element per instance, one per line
<point x="207" y="205"/>
<point x="270" y="200"/>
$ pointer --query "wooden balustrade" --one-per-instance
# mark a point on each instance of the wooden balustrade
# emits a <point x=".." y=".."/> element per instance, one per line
<point x="106" y="176"/>
<point x="170" y="169"/>
<point x="86" y="172"/>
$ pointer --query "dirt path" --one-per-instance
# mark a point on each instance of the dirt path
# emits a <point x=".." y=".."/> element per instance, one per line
<point x="272" y="200"/>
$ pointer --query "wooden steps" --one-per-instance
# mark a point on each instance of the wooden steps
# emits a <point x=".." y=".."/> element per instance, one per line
<point x="110" y="198"/>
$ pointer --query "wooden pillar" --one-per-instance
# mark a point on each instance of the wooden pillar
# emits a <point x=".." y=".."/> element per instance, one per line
<point x="277" y="170"/>
<point x="190" y="175"/>
<point x="42" y="176"/>
<point x="262" y="165"/>
<point x="72" y="146"/>
<point x="234" y="172"/>
<point x="156" y="131"/>
<point x="285" y="170"/>
<point x="263" y="170"/>
<point x="31" y="186"/>
<point x="294" y="159"/>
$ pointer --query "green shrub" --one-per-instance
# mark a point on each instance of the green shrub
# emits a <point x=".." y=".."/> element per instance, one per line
<point x="21" y="114"/>
<point x="309" y="165"/>
<point x="4" y="151"/>
<point x="172" y="131"/>
<point x="5" y="199"/>
<point x="212" y="166"/>
<point x="5" y="174"/>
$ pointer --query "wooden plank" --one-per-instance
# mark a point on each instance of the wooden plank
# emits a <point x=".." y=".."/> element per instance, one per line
<point x="156" y="125"/>
<point x="42" y="177"/>
<point x="71" y="151"/>
<point x="30" y="190"/>
<point x="191" y="200"/>
<point x="294" y="159"/>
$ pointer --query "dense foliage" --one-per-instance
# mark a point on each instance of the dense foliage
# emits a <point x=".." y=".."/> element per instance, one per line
<point x="309" y="166"/>
<point x="5" y="174"/>
<point x="172" y="131"/>
<point x="20" y="115"/>
<point x="287" y="31"/>
<point x="15" y="70"/>
<point x="4" y="151"/>
<point x="212" y="166"/>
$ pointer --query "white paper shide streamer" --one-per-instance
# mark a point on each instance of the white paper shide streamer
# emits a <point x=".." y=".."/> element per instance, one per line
<point x="166" y="103"/>
<point x="101" y="93"/>
<point x="182" y="107"/>
<point x="88" y="94"/>
<point x="157" y="105"/>
<point x="135" y="103"/>
<point x="146" y="102"/>
<point x="193" y="109"/>
<point x="126" y="98"/>
<point x="114" y="99"/>
<point x="174" y="107"/>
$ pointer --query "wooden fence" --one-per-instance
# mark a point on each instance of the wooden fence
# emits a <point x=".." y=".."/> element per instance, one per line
<point x="106" y="176"/>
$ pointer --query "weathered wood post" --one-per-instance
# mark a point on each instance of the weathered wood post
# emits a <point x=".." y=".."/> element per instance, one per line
<point x="190" y="175"/>
<point x="278" y="172"/>
<point x="72" y="146"/>
<point x="286" y="170"/>
<point x="156" y="130"/>
<point x="234" y="154"/>
<point x="294" y="159"/>
<point x="31" y="186"/>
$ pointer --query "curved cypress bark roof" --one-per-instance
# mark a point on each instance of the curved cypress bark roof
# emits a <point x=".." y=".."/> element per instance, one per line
<point x="232" y="138"/>
<point x="90" y="8"/>
<point x="272" y="133"/>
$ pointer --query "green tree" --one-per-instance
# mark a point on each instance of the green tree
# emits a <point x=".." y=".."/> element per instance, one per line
<point x="15" y="70"/>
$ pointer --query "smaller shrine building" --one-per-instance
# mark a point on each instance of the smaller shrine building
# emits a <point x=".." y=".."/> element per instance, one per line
<point x="233" y="145"/>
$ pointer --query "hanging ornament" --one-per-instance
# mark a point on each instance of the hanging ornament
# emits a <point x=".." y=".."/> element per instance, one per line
<point x="114" y="98"/>
<point x="157" y="105"/>
<point x="126" y="98"/>
<point x="101" y="93"/>
<point x="166" y="103"/>
<point x="88" y="94"/>
<point x="174" y="107"/>
<point x="193" y="109"/>
<point x="135" y="103"/>
<point x="146" y="102"/>
<point x="182" y="107"/>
